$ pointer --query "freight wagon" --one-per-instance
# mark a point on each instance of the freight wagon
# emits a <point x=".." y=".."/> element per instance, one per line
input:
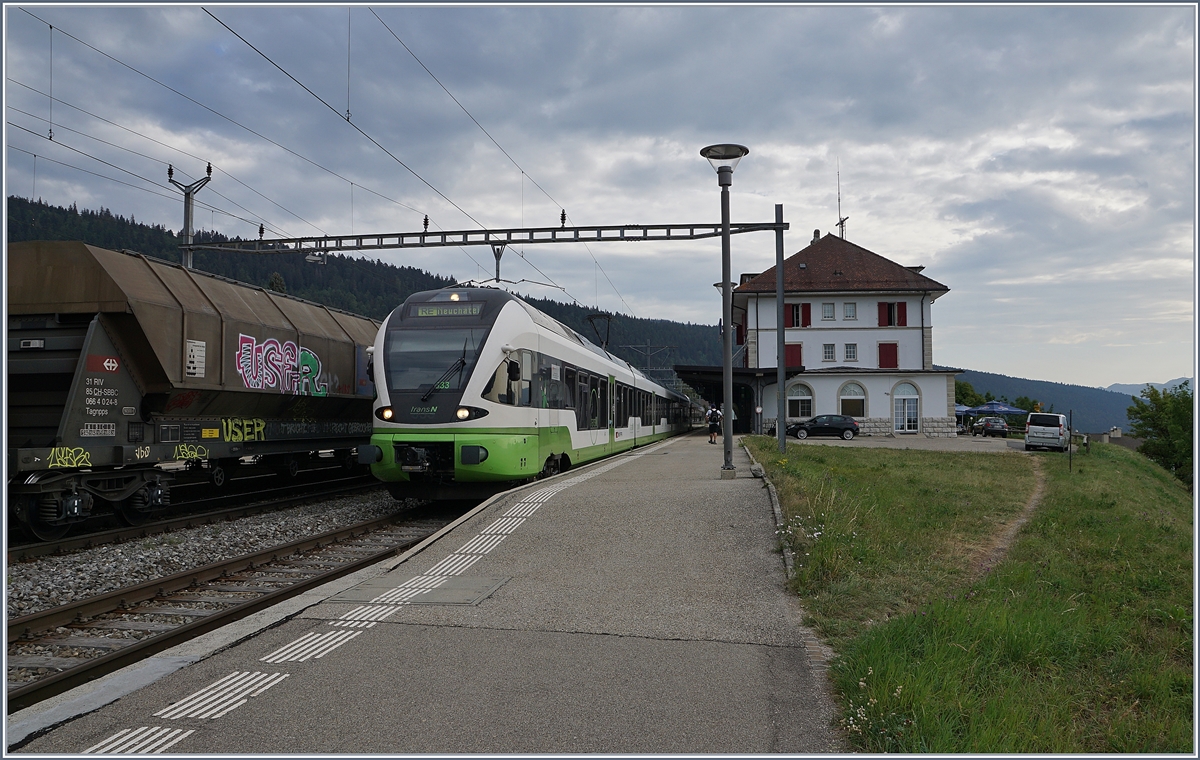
<point x="125" y="370"/>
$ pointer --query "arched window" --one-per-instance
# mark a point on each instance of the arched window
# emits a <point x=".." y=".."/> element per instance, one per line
<point x="799" y="401"/>
<point x="906" y="408"/>
<point x="853" y="400"/>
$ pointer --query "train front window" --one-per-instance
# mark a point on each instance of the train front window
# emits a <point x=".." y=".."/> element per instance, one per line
<point x="431" y="359"/>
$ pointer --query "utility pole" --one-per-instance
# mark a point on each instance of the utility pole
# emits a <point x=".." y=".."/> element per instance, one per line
<point x="189" y="192"/>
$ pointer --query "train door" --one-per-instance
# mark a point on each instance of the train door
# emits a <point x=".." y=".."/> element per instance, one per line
<point x="607" y="413"/>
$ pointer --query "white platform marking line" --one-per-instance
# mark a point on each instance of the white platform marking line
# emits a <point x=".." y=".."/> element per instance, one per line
<point x="503" y="525"/>
<point x="522" y="510"/>
<point x="482" y="544"/>
<point x="364" y="616"/>
<point x="399" y="595"/>
<point x="223" y="696"/>
<point x="144" y="740"/>
<point x="168" y="740"/>
<point x="424" y="581"/>
<point x="455" y="564"/>
<point x="310" y="645"/>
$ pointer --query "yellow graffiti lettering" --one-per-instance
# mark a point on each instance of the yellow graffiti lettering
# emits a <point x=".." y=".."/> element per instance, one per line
<point x="68" y="457"/>
<point x="235" y="430"/>
<point x="190" y="451"/>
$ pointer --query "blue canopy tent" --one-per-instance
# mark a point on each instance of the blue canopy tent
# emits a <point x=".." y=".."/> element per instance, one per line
<point x="994" y="407"/>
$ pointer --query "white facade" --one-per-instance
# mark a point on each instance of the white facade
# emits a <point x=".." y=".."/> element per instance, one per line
<point x="862" y="327"/>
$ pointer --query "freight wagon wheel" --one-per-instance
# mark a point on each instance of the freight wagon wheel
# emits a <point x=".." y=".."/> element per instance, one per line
<point x="132" y="510"/>
<point x="29" y="513"/>
<point x="218" y="472"/>
<point x="291" y="468"/>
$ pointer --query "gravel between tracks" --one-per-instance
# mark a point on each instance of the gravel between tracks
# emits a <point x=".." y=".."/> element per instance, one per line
<point x="47" y="582"/>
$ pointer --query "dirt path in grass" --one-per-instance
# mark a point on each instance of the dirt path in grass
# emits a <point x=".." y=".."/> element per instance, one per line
<point x="994" y="551"/>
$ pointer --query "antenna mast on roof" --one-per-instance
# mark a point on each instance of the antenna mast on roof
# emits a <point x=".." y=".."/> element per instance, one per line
<point x="841" y="219"/>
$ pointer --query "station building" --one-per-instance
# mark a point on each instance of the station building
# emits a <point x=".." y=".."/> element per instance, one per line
<point x="858" y="341"/>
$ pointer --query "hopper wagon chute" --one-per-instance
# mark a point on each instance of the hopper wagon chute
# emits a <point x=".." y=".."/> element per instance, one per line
<point x="125" y="371"/>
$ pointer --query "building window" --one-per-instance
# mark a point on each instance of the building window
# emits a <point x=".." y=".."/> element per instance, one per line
<point x="799" y="401"/>
<point x="906" y="415"/>
<point x="791" y="315"/>
<point x="851" y="352"/>
<point x="827" y="353"/>
<point x="827" y="312"/>
<point x="849" y="310"/>
<point x="853" y="400"/>
<point x="894" y="314"/>
<point x="889" y="355"/>
<point x="793" y="355"/>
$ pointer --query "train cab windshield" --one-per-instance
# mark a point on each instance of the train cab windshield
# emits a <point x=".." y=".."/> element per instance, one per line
<point x="431" y="360"/>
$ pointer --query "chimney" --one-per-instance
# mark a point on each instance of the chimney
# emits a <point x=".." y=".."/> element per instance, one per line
<point x="816" y="235"/>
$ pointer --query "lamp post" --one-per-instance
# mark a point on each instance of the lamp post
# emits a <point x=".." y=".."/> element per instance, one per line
<point x="724" y="158"/>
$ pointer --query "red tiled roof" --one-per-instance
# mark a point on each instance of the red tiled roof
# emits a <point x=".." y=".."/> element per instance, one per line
<point x="833" y="264"/>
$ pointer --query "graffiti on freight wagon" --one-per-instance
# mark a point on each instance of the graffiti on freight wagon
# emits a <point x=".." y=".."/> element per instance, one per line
<point x="65" y="456"/>
<point x="286" y="366"/>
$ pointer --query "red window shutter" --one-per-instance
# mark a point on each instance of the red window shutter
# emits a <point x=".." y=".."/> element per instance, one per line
<point x="789" y="315"/>
<point x="883" y="314"/>
<point x="902" y="313"/>
<point x="805" y="314"/>
<point x="792" y="355"/>
<point x="888" y="356"/>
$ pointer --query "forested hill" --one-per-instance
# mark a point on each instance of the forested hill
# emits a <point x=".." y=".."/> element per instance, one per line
<point x="363" y="286"/>
<point x="1096" y="410"/>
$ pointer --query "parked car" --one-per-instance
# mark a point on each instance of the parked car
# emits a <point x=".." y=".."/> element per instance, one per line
<point x="990" y="426"/>
<point x="1047" y="431"/>
<point x="825" y="424"/>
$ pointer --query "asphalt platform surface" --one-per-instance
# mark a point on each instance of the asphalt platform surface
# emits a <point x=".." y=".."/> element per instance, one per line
<point x="633" y="606"/>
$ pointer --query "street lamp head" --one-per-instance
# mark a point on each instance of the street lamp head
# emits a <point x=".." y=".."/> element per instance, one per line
<point x="724" y="155"/>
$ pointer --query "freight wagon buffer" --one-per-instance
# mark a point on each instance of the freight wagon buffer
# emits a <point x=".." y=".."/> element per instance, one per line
<point x="120" y="365"/>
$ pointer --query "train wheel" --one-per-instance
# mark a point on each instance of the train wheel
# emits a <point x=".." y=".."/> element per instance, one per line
<point x="217" y="474"/>
<point x="132" y="510"/>
<point x="34" y="521"/>
<point x="291" y="468"/>
<point x="551" y="467"/>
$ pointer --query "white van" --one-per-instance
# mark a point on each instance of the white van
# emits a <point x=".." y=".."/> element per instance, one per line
<point x="1047" y="431"/>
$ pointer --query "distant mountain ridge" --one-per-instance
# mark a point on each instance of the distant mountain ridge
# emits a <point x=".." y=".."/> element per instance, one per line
<point x="1134" y="389"/>
<point x="1097" y="410"/>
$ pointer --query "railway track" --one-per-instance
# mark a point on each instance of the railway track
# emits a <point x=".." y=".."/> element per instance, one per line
<point x="63" y="647"/>
<point x="211" y="510"/>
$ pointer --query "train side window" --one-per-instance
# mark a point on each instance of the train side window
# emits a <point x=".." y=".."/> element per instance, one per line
<point x="604" y="403"/>
<point x="582" y="399"/>
<point x="502" y="387"/>
<point x="525" y="383"/>
<point x="568" y="388"/>
<point x="593" y="402"/>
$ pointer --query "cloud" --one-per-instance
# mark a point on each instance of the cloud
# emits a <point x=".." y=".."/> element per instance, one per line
<point x="1025" y="154"/>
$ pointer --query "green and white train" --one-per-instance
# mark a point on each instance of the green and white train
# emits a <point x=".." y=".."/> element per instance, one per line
<point x="477" y="389"/>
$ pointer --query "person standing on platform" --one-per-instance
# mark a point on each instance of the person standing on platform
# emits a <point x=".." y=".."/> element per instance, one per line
<point x="714" y="422"/>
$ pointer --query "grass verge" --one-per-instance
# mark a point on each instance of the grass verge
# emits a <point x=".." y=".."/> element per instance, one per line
<point x="1080" y="640"/>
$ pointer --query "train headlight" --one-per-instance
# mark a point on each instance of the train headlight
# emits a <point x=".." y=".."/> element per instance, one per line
<point x="464" y="413"/>
<point x="384" y="413"/>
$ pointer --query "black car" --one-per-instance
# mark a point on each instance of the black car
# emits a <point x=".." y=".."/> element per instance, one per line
<point x="990" y="426"/>
<point x="825" y="424"/>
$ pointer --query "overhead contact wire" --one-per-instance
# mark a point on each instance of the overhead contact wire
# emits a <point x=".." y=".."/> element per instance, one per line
<point x="502" y="150"/>
<point x="243" y="126"/>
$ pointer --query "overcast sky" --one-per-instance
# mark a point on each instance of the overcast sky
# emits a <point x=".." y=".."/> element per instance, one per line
<point x="1039" y="161"/>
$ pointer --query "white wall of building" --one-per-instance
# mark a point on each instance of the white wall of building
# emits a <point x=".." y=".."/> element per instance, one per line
<point x="863" y="332"/>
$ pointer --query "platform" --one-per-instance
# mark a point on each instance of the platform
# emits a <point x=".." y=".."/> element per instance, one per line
<point x="633" y="606"/>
